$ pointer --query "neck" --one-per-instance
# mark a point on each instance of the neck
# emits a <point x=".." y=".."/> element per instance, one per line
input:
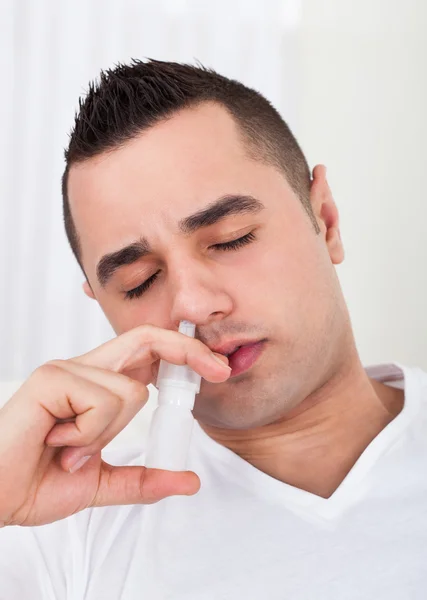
<point x="317" y="443"/>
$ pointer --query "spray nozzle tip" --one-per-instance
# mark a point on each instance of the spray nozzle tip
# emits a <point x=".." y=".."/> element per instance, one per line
<point x="187" y="328"/>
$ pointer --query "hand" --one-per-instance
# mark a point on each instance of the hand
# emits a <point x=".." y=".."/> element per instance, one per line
<point x="69" y="410"/>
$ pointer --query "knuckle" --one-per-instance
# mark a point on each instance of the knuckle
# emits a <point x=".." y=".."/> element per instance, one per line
<point x="111" y="403"/>
<point x="136" y="392"/>
<point x="146" y="332"/>
<point x="57" y="362"/>
<point x="47" y="370"/>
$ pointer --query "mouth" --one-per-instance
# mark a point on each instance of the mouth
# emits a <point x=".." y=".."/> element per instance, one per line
<point x="241" y="355"/>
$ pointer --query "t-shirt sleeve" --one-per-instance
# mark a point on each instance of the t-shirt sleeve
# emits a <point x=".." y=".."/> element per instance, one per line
<point x="32" y="562"/>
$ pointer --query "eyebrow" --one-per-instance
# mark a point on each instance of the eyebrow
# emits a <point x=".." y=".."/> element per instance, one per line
<point x="232" y="204"/>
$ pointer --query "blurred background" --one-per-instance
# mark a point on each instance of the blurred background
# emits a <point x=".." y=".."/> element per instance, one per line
<point x="350" y="78"/>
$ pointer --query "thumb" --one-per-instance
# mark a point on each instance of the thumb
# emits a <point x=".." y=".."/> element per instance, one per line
<point x="139" y="485"/>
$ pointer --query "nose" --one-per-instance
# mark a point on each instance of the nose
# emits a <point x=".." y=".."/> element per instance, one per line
<point x="198" y="294"/>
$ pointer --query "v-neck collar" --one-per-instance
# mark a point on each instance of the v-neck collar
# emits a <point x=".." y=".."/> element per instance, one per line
<point x="354" y="485"/>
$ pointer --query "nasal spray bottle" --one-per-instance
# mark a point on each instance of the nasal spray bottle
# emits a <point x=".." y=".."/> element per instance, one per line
<point x="172" y="423"/>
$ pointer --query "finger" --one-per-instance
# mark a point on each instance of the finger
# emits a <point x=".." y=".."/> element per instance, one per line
<point x="146" y="344"/>
<point x="132" y="392"/>
<point x="139" y="485"/>
<point x="133" y="396"/>
<point x="86" y="438"/>
<point x="92" y="406"/>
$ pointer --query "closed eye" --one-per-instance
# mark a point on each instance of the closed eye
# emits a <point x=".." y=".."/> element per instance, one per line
<point x="224" y="246"/>
<point x="138" y="291"/>
<point x="234" y="244"/>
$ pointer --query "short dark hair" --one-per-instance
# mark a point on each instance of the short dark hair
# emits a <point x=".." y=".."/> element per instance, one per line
<point x="131" y="98"/>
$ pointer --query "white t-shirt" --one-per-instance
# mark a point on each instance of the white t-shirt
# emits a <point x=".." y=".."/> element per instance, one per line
<point x="246" y="535"/>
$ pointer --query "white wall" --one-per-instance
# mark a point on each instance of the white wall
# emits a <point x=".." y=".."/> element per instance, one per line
<point x="363" y="114"/>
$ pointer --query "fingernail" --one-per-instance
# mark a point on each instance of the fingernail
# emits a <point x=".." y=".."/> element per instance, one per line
<point x="220" y="362"/>
<point x="76" y="466"/>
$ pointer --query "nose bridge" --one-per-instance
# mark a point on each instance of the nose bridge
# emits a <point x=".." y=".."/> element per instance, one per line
<point x="197" y="293"/>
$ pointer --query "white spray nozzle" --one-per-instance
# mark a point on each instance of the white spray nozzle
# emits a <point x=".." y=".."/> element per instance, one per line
<point x="187" y="328"/>
<point x="179" y="376"/>
<point x="172" y="421"/>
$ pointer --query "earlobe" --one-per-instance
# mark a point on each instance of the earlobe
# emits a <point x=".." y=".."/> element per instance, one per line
<point x="88" y="290"/>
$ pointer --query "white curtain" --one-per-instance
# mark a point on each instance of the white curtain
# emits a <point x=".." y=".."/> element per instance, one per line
<point x="50" y="50"/>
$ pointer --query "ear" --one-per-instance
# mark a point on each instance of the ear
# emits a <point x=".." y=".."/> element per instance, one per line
<point x="88" y="290"/>
<point x="326" y="213"/>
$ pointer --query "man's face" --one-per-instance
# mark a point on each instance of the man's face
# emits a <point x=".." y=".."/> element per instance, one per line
<point x="281" y="287"/>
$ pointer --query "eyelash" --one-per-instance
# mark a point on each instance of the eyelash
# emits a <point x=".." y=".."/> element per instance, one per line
<point x="225" y="246"/>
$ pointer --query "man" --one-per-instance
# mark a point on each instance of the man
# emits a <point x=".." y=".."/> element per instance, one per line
<point x="186" y="196"/>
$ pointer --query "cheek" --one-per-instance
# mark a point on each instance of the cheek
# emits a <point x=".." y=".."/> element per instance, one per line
<point x="278" y="273"/>
<point x="292" y="285"/>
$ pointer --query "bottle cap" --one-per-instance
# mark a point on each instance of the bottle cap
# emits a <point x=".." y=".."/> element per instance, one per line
<point x="181" y="376"/>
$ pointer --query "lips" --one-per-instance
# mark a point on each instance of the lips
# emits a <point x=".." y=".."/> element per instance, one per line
<point x="235" y="350"/>
<point x="241" y="356"/>
<point x="228" y="348"/>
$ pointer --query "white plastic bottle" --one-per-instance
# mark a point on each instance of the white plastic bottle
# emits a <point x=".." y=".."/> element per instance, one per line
<point x="172" y="422"/>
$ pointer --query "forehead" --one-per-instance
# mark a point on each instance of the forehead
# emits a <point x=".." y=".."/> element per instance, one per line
<point x="193" y="142"/>
<point x="156" y="179"/>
